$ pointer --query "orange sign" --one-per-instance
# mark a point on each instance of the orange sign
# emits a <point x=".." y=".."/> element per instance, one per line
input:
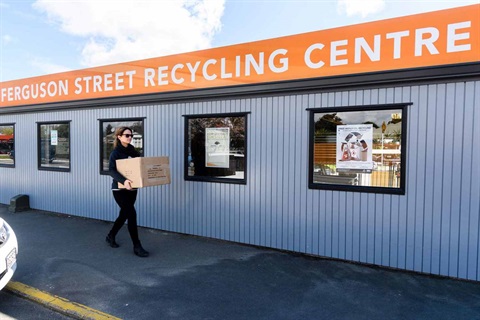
<point x="437" y="38"/>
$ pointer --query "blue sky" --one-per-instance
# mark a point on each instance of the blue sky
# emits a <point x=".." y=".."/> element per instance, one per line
<point x="45" y="36"/>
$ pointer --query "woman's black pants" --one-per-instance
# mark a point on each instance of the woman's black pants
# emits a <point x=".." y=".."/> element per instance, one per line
<point x="126" y="201"/>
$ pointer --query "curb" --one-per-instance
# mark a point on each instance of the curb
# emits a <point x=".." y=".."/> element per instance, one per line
<point x="58" y="304"/>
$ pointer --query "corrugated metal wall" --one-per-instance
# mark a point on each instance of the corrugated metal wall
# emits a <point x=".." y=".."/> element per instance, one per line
<point x="434" y="228"/>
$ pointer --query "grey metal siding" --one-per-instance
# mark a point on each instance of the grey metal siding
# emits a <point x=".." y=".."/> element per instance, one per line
<point x="433" y="228"/>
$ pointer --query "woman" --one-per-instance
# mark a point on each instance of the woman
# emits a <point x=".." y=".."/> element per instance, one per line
<point x="125" y="198"/>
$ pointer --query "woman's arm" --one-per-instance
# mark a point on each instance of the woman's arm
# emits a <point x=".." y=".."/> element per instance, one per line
<point x="112" y="168"/>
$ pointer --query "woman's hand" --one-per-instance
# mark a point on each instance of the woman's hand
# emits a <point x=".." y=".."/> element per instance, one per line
<point x="128" y="184"/>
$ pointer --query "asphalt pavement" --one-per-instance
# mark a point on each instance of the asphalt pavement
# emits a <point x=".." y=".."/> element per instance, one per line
<point x="188" y="277"/>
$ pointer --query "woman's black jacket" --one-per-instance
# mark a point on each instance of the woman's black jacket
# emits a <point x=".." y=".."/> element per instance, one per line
<point x="120" y="152"/>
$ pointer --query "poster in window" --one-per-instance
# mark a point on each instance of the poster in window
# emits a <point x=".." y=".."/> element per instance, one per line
<point x="354" y="148"/>
<point x="217" y="147"/>
<point x="54" y="137"/>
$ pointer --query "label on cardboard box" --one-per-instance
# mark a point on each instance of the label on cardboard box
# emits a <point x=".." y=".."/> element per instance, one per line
<point x="155" y="172"/>
<point x="145" y="171"/>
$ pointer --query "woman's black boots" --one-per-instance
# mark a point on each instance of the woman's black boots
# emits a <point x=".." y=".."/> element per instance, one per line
<point x="139" y="251"/>
<point x="137" y="248"/>
<point x="111" y="241"/>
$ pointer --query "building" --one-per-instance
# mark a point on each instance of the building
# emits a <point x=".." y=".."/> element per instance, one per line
<point x="356" y="143"/>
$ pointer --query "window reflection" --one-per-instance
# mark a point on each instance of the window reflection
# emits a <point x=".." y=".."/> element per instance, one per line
<point x="108" y="128"/>
<point x="216" y="148"/>
<point x="54" y="146"/>
<point x="358" y="148"/>
<point x="7" y="145"/>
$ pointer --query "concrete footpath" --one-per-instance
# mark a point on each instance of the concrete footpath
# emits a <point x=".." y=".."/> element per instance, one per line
<point x="190" y="277"/>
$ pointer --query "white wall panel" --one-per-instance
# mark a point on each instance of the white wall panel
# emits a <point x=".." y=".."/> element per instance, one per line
<point x="433" y="228"/>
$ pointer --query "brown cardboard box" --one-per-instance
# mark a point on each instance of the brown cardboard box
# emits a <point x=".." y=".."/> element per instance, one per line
<point x="145" y="171"/>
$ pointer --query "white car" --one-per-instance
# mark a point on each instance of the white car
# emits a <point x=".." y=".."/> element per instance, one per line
<point x="8" y="253"/>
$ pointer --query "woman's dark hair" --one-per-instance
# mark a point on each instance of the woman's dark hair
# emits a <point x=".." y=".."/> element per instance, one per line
<point x="119" y="132"/>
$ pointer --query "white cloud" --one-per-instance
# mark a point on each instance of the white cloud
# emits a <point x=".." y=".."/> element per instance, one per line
<point x="46" y="67"/>
<point x="6" y="39"/>
<point x="118" y="31"/>
<point x="360" y="7"/>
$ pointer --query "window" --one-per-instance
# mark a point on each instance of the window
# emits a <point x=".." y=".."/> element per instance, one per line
<point x="358" y="148"/>
<point x="54" y="146"/>
<point x="216" y="148"/>
<point x="7" y="145"/>
<point x="107" y="137"/>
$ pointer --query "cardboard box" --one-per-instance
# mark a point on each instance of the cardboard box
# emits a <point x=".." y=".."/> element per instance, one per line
<point x="145" y="171"/>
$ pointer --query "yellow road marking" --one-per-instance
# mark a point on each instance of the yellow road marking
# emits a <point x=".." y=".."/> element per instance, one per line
<point x="56" y="303"/>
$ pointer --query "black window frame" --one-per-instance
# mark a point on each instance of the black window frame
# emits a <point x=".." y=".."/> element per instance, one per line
<point x="39" y="148"/>
<point x="4" y="165"/>
<point x="186" y="147"/>
<point x="101" y="121"/>
<point x="401" y="190"/>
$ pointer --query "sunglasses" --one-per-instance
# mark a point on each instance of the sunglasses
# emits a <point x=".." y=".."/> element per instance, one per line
<point x="127" y="135"/>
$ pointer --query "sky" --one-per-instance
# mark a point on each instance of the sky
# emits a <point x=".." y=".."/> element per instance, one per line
<point x="50" y="36"/>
